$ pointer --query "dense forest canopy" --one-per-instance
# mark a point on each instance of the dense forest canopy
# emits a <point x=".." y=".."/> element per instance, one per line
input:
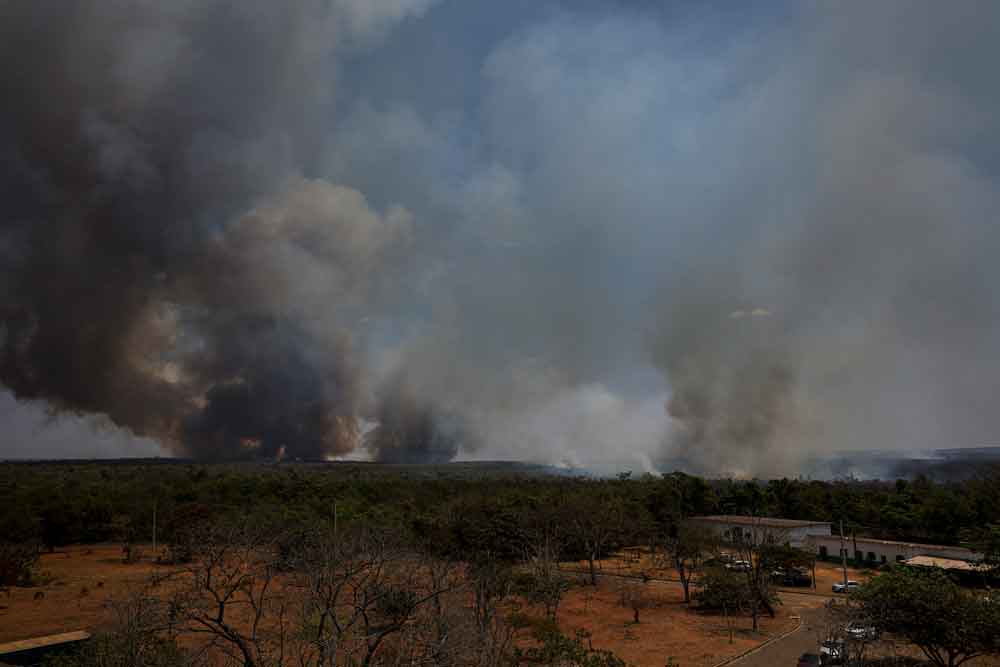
<point x="62" y="503"/>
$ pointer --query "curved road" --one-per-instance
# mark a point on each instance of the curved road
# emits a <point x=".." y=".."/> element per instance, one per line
<point x="785" y="652"/>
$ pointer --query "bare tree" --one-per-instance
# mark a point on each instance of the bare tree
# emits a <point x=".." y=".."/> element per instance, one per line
<point x="751" y="547"/>
<point x="492" y="586"/>
<point x="543" y="582"/>
<point x="634" y="595"/>
<point x="359" y="588"/>
<point x="851" y="628"/>
<point x="685" y="547"/>
<point x="229" y="593"/>
<point x="597" y="523"/>
<point x="142" y="634"/>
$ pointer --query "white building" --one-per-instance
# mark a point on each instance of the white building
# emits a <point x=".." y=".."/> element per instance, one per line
<point x="731" y="528"/>
<point x="877" y="552"/>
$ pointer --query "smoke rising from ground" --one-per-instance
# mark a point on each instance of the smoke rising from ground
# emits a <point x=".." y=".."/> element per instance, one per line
<point x="871" y="221"/>
<point x="166" y="261"/>
<point x="561" y="232"/>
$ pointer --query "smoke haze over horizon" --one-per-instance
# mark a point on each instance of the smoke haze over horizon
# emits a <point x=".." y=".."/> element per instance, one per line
<point x="565" y="232"/>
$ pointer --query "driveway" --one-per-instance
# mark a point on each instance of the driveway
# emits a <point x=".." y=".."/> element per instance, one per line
<point x="785" y="652"/>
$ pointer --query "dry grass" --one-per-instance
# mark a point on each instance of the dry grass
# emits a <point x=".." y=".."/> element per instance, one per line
<point x="667" y="628"/>
<point x="77" y="583"/>
<point x="81" y="580"/>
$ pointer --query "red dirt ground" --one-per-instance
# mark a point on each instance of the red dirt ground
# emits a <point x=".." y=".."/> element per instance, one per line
<point x="639" y="563"/>
<point x="82" y="580"/>
<point x="667" y="629"/>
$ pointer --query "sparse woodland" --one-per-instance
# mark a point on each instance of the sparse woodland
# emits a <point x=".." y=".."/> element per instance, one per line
<point x="316" y="566"/>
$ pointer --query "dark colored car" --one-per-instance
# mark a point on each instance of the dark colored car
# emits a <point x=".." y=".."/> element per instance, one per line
<point x="791" y="578"/>
<point x="809" y="660"/>
<point x="797" y="578"/>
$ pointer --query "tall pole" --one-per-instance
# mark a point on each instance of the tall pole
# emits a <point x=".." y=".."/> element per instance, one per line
<point x="154" y="528"/>
<point x="843" y="552"/>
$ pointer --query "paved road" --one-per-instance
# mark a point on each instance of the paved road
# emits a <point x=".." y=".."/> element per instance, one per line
<point x="785" y="652"/>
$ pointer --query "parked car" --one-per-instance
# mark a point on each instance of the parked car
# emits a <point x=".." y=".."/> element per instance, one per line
<point x="861" y="631"/>
<point x="841" y="587"/>
<point x="797" y="578"/>
<point x="809" y="660"/>
<point x="738" y="566"/>
<point x="832" y="652"/>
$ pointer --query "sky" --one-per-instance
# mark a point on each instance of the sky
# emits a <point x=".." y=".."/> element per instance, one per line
<point x="566" y="232"/>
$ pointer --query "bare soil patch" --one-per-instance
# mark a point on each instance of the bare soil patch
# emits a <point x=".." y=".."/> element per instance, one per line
<point x="669" y="628"/>
<point x="77" y="583"/>
<point x="637" y="562"/>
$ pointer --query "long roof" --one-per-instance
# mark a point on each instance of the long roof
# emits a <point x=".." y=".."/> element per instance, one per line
<point x="43" y="642"/>
<point x="895" y="543"/>
<point x="769" y="522"/>
<point x="944" y="563"/>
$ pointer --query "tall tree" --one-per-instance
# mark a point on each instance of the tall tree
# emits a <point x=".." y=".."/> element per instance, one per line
<point x="685" y="547"/>
<point x="753" y="548"/>
<point x="596" y="522"/>
<point x="950" y="625"/>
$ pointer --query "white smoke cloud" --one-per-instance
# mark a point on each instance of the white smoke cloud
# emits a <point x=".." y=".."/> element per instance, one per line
<point x="846" y="193"/>
<point x="32" y="432"/>
<point x="582" y="426"/>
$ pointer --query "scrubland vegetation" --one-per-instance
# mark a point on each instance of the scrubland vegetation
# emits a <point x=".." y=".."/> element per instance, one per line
<point x="298" y="564"/>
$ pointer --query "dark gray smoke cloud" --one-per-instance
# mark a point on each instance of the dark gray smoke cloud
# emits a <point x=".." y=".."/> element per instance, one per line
<point x="410" y="430"/>
<point x="164" y="258"/>
<point x="566" y="232"/>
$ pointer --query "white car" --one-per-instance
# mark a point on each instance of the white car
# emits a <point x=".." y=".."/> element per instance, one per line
<point x="861" y="631"/>
<point x="832" y="652"/>
<point x="851" y="585"/>
<point x="738" y="566"/>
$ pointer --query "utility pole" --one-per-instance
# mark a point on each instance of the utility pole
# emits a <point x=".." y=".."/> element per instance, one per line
<point x="843" y="552"/>
<point x="154" y="529"/>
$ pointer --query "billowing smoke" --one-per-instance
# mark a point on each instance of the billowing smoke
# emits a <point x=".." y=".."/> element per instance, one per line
<point x="558" y="231"/>
<point x="732" y="379"/>
<point x="165" y="259"/>
<point x="846" y="303"/>
<point x="410" y="430"/>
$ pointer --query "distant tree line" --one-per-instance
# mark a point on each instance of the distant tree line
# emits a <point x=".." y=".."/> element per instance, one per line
<point x="60" y="504"/>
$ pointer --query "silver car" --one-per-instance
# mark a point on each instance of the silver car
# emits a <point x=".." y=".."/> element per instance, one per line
<point x="851" y="585"/>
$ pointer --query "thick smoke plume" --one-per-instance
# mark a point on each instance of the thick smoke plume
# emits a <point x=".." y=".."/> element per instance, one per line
<point x="624" y="232"/>
<point x="409" y="430"/>
<point x="847" y="304"/>
<point x="163" y="258"/>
